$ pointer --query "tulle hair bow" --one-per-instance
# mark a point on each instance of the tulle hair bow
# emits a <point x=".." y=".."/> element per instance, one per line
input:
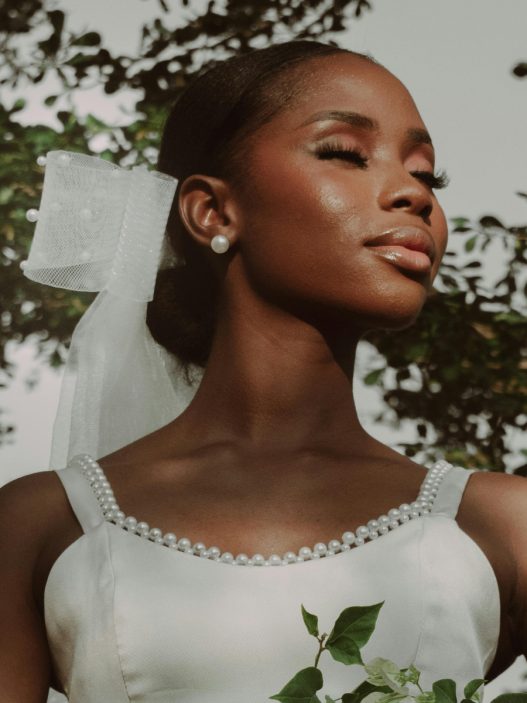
<point x="101" y="228"/>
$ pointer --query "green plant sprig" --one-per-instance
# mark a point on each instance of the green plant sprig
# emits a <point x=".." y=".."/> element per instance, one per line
<point x="386" y="682"/>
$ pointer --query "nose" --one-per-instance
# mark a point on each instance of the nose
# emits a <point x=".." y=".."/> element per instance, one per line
<point x="408" y="195"/>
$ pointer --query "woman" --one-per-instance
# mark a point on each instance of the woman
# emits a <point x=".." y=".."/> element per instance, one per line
<point x="318" y="164"/>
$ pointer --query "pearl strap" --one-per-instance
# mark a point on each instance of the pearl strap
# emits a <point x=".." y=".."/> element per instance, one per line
<point x="372" y="530"/>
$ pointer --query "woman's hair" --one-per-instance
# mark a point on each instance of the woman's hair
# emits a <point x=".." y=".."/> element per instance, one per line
<point x="207" y="131"/>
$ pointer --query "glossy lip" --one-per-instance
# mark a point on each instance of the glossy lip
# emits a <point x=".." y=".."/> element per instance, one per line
<point x="410" y="237"/>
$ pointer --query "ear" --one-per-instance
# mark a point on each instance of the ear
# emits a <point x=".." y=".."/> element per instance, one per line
<point x="207" y="207"/>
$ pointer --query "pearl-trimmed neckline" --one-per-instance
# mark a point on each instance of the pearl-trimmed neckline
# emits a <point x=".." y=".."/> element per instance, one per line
<point x="395" y="517"/>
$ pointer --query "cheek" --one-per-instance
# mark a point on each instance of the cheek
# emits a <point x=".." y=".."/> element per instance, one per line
<point x="303" y="236"/>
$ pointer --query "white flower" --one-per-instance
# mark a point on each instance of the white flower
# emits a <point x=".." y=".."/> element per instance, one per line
<point x="383" y="672"/>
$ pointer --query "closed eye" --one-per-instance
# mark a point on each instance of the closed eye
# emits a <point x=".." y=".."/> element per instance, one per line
<point x="337" y="150"/>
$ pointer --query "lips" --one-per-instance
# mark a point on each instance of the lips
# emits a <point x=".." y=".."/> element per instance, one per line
<point x="410" y="237"/>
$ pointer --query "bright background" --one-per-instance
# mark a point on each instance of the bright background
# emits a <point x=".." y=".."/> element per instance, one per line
<point x="455" y="57"/>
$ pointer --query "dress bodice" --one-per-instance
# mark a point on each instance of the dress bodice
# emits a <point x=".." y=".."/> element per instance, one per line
<point x="129" y="619"/>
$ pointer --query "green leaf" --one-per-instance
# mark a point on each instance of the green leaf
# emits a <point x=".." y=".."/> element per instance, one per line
<point x="510" y="698"/>
<point x="364" y="689"/>
<point x="372" y="377"/>
<point x="445" y="691"/>
<point x="471" y="243"/>
<point x="490" y="221"/>
<point x="352" y="629"/>
<point x="88" y="39"/>
<point x="18" y="105"/>
<point x="50" y="100"/>
<point x="472" y="686"/>
<point x="345" y="650"/>
<point x="302" y="688"/>
<point x="56" y="17"/>
<point x="311" y="621"/>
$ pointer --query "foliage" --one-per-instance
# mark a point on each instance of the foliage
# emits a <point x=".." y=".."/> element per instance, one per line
<point x="467" y="352"/>
<point x="386" y="682"/>
<point x="462" y="369"/>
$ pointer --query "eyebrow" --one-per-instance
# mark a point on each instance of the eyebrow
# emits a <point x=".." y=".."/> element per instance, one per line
<point x="414" y="135"/>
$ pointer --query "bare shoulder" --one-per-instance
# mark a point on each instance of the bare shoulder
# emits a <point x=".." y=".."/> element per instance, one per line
<point x="32" y="507"/>
<point x="30" y="499"/>
<point x="494" y="512"/>
<point x="29" y="508"/>
<point x="497" y="492"/>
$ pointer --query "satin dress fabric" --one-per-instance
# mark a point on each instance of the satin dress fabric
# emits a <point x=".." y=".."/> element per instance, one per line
<point x="128" y="619"/>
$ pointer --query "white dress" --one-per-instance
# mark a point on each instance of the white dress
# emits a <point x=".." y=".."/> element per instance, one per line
<point x="130" y="619"/>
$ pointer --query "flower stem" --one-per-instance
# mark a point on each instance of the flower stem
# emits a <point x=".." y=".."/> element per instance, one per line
<point x="321" y="647"/>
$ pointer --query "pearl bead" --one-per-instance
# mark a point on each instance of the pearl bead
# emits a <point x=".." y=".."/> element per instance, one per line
<point x="198" y="547"/>
<point x="159" y="540"/>
<point x="154" y="533"/>
<point x="227" y="557"/>
<point x="214" y="551"/>
<point x="348" y="538"/>
<point x="334" y="545"/>
<point x="242" y="559"/>
<point x="183" y="543"/>
<point x="345" y="547"/>
<point x="383" y="529"/>
<point x="170" y="539"/>
<point x="373" y="524"/>
<point x="275" y="560"/>
<point x="362" y="531"/>
<point x="258" y="559"/>
<point x="23" y="264"/>
<point x="142" y="528"/>
<point x="320" y="548"/>
<point x="32" y="214"/>
<point x="219" y="243"/>
<point x="289" y="557"/>
<point x="305" y="552"/>
<point x="394" y="513"/>
<point x="41" y="160"/>
<point x="384" y="520"/>
<point x="359" y="541"/>
<point x="130" y="523"/>
<point x="404" y="508"/>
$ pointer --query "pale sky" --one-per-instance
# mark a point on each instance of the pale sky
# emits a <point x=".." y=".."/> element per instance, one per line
<point x="455" y="57"/>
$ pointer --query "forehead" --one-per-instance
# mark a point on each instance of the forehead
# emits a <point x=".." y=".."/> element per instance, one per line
<point x="346" y="82"/>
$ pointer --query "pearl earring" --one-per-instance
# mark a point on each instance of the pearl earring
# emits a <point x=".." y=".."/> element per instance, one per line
<point x="219" y="243"/>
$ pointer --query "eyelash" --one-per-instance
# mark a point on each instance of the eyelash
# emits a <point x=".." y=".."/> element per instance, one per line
<point x="338" y="150"/>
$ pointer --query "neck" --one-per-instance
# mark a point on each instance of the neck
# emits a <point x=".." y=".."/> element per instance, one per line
<point x="273" y="383"/>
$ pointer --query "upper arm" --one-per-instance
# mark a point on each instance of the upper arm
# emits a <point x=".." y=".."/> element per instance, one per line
<point x="513" y="503"/>
<point x="25" y="666"/>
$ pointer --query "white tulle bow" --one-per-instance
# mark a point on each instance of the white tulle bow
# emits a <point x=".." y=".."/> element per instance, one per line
<point x="101" y="227"/>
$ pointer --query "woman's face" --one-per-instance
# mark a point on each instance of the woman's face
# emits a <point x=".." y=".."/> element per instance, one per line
<point x="307" y="215"/>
